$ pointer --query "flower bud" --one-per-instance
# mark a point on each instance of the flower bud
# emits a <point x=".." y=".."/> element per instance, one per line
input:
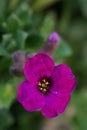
<point x="51" y="44"/>
<point x="19" y="56"/>
<point x="53" y="38"/>
<point x="17" y="69"/>
<point x="19" y="59"/>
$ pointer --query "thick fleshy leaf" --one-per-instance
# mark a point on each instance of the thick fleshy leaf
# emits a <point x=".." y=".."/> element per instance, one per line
<point x="54" y="105"/>
<point x="34" y="40"/>
<point x="37" y="67"/>
<point x="7" y="95"/>
<point x="30" y="97"/>
<point x="6" y="118"/>
<point x="3" y="51"/>
<point x="64" y="81"/>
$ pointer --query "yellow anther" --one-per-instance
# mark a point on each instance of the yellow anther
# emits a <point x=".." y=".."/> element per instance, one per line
<point x="43" y="85"/>
<point x="44" y="90"/>
<point x="47" y="83"/>
<point x="41" y="88"/>
<point x="39" y="84"/>
<point x="44" y="80"/>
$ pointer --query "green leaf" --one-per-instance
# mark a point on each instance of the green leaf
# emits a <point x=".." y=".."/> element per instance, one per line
<point x="6" y="39"/>
<point x="5" y="119"/>
<point x="7" y="94"/>
<point x="21" y="37"/>
<point x="34" y="40"/>
<point x="63" y="50"/>
<point x="24" y="13"/>
<point x="13" y="23"/>
<point x="48" y="24"/>
<point x="9" y="42"/>
<point x="79" y="100"/>
<point x="3" y="52"/>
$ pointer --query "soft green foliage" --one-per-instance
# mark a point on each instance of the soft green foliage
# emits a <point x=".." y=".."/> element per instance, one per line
<point x="63" y="50"/>
<point x="25" y="26"/>
<point x="48" y="24"/>
<point x="7" y="94"/>
<point x="80" y="118"/>
<point x="5" y="119"/>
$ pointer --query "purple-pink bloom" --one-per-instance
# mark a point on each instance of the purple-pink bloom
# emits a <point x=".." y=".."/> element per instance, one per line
<point x="47" y="87"/>
<point x="54" y="37"/>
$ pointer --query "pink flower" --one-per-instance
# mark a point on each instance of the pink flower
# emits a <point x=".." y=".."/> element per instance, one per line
<point x="47" y="87"/>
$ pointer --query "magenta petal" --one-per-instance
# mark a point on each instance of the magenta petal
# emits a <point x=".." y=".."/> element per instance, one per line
<point x="38" y="66"/>
<point x="64" y="81"/>
<point x="54" y="105"/>
<point x="30" y="97"/>
<point x="23" y="91"/>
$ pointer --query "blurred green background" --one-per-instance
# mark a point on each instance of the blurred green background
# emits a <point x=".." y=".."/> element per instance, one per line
<point x="25" y="26"/>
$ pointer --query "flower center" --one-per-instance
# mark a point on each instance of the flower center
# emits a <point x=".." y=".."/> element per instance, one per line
<point x="44" y="85"/>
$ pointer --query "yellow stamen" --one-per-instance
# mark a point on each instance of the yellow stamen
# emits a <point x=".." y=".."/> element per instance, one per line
<point x="41" y="88"/>
<point x="44" y="90"/>
<point x="47" y="83"/>
<point x="39" y="84"/>
<point x="44" y="80"/>
<point x="43" y="85"/>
